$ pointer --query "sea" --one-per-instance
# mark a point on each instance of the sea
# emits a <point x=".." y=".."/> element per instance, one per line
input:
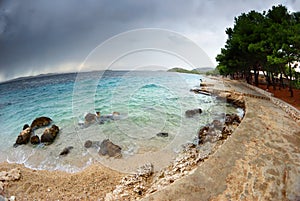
<point x="148" y="102"/>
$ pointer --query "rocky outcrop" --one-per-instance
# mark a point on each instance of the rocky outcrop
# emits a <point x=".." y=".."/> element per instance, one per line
<point x="40" y="122"/>
<point x="24" y="136"/>
<point x="191" y="113"/>
<point x="231" y="97"/>
<point x="133" y="187"/>
<point x="234" y="98"/>
<point x="218" y="130"/>
<point x="205" y="84"/>
<point x="28" y="132"/>
<point x="6" y="176"/>
<point x="185" y="162"/>
<point x="110" y="149"/>
<point x="50" y="134"/>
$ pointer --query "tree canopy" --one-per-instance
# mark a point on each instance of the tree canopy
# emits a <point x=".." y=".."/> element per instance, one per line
<point x="265" y="42"/>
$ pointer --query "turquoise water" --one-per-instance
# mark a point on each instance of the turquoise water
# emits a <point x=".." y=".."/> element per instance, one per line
<point x="148" y="103"/>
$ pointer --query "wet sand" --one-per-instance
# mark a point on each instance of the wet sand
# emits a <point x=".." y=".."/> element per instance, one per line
<point x="260" y="161"/>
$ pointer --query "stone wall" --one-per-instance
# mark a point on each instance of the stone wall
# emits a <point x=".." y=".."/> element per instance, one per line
<point x="289" y="109"/>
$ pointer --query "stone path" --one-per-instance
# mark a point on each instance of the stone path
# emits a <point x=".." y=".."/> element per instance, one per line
<point x="260" y="161"/>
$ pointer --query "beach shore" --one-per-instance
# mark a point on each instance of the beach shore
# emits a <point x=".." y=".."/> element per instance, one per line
<point x="260" y="161"/>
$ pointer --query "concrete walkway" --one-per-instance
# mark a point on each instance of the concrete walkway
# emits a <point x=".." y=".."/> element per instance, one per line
<point x="260" y="161"/>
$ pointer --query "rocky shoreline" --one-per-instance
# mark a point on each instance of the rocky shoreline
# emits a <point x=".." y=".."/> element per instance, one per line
<point x="145" y="182"/>
<point x="258" y="162"/>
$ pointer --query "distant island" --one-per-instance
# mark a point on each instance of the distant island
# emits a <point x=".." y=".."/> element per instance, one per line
<point x="204" y="70"/>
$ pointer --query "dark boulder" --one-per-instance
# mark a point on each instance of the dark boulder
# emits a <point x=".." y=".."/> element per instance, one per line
<point x="25" y="126"/>
<point x="50" y="134"/>
<point x="202" y="134"/>
<point x="23" y="137"/>
<point x="110" y="149"/>
<point x="191" y="113"/>
<point x="230" y="118"/>
<point x="40" y="122"/>
<point x="65" y="151"/>
<point x="162" y="134"/>
<point x="35" y="139"/>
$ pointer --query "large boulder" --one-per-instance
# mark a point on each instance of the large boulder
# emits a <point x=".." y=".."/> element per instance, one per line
<point x="40" y="122"/>
<point x="50" y="134"/>
<point x="24" y="136"/>
<point x="110" y="149"/>
<point x="191" y="113"/>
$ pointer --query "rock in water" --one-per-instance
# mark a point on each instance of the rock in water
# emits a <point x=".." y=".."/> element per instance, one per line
<point x="23" y="137"/>
<point x="35" y="139"/>
<point x="110" y="149"/>
<point x="91" y="118"/>
<point x="25" y="126"/>
<point x="40" y="122"/>
<point x="191" y="113"/>
<point x="88" y="144"/>
<point x="49" y="134"/>
<point x="65" y="151"/>
<point x="162" y="134"/>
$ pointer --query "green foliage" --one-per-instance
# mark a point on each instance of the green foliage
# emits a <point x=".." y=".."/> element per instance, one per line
<point x="214" y="72"/>
<point x="264" y="41"/>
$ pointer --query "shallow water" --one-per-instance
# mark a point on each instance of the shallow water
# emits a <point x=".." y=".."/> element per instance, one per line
<point x="148" y="103"/>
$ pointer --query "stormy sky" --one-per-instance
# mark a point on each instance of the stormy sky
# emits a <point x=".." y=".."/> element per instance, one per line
<point x="56" y="36"/>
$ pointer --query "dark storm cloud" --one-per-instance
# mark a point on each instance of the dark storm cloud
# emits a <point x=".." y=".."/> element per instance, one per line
<point x="46" y="36"/>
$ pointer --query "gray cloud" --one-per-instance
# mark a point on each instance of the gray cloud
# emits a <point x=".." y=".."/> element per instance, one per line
<point x="51" y="36"/>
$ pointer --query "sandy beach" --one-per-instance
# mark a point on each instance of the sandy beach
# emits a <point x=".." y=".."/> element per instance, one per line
<point x="259" y="161"/>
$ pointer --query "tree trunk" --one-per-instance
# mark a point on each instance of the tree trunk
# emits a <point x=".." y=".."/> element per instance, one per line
<point x="291" y="78"/>
<point x="273" y="81"/>
<point x="256" y="73"/>
<point x="281" y="82"/>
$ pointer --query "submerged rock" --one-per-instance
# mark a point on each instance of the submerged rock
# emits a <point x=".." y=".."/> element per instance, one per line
<point x="162" y="134"/>
<point x="40" y="122"/>
<point x="66" y="150"/>
<point x="89" y="144"/>
<point x="23" y="137"/>
<point x="191" y="113"/>
<point x="50" y="134"/>
<point x="91" y="118"/>
<point x="110" y="149"/>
